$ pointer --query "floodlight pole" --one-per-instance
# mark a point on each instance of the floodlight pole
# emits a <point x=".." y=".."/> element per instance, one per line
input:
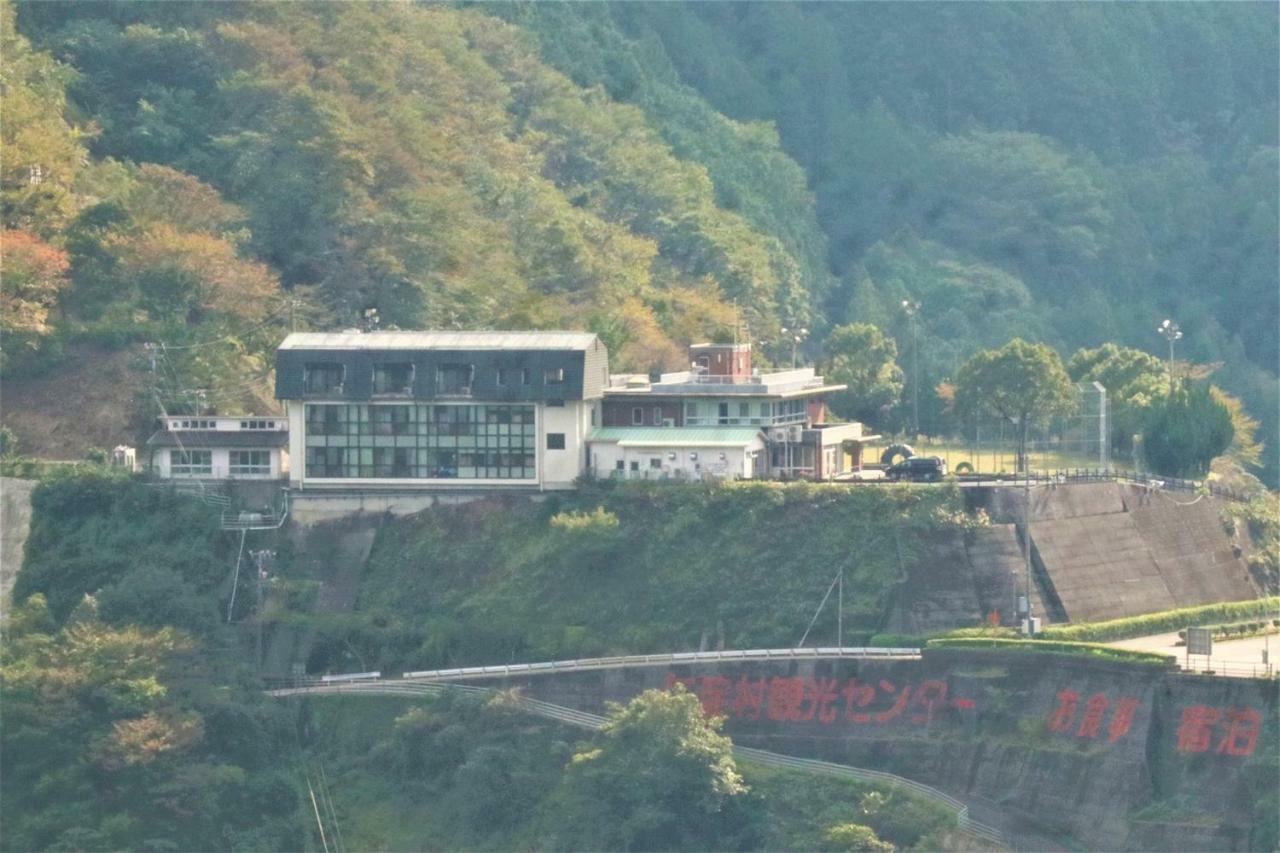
<point x="1026" y="538"/>
<point x="1171" y="332"/>
<point x="912" y="308"/>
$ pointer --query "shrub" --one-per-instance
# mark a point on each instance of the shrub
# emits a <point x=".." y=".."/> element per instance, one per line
<point x="600" y="519"/>
<point x="1169" y="620"/>
<point x="855" y="836"/>
<point x="1096" y="650"/>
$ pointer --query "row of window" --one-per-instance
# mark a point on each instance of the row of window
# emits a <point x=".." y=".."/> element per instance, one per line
<point x="656" y="461"/>
<point x="425" y="442"/>
<point x="205" y="423"/>
<point x="742" y="414"/>
<point x="397" y="377"/>
<point x="479" y="420"/>
<point x="729" y="414"/>
<point x="196" y="463"/>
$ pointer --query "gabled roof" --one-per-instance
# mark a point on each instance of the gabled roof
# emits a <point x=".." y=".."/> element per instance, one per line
<point x="199" y="439"/>
<point x="677" y="436"/>
<point x="439" y="340"/>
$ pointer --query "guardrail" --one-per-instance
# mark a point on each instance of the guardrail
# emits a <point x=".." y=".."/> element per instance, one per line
<point x="585" y="720"/>
<point x="504" y="670"/>
<point x="208" y="494"/>
<point x="587" y="664"/>
<point x="1234" y="670"/>
<point x="1110" y="475"/>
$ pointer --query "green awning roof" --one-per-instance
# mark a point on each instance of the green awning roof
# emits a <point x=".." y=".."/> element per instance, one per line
<point x="715" y="436"/>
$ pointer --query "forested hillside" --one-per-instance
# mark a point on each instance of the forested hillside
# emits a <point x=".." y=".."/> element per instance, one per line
<point x="1071" y="173"/>
<point x="205" y="175"/>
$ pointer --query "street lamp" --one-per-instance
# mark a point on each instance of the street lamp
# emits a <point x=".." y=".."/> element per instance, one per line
<point x="911" y="308"/>
<point x="796" y="336"/>
<point x="1171" y="333"/>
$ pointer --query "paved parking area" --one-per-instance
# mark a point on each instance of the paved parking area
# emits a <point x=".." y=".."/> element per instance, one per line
<point x="1231" y="657"/>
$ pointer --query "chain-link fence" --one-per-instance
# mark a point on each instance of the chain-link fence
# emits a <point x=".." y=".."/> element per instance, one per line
<point x="1079" y="440"/>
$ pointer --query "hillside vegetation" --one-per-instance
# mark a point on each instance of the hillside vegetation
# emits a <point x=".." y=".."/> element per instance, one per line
<point x="132" y="719"/>
<point x="629" y="570"/>
<point x="418" y="159"/>
<point x="1070" y="173"/>
<point x="208" y="175"/>
<point x="456" y="772"/>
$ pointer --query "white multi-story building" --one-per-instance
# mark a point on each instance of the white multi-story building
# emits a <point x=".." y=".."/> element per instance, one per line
<point x="440" y="411"/>
<point x="219" y="447"/>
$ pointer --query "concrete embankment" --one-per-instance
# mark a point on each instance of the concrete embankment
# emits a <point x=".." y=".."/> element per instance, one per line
<point x="15" y="526"/>
<point x="1099" y="551"/>
<point x="332" y="555"/>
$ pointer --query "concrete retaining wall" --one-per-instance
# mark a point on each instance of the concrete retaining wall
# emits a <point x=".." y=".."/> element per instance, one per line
<point x="15" y="526"/>
<point x="1065" y="747"/>
<point x="1110" y="550"/>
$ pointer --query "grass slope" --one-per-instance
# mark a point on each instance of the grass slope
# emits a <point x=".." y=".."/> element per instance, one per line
<point x="654" y="570"/>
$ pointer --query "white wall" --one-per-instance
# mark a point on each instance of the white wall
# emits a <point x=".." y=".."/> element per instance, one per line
<point x="220" y="457"/>
<point x="557" y="469"/>
<point x="689" y="463"/>
<point x="297" y="413"/>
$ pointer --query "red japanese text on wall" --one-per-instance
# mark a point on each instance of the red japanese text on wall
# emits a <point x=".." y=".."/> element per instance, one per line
<point x="1090" y="719"/>
<point x="1225" y="731"/>
<point x="1201" y="728"/>
<point x="824" y="700"/>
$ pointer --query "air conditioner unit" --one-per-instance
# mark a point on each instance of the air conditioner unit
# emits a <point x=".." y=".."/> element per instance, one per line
<point x="668" y="422"/>
<point x="796" y="433"/>
<point x="779" y="434"/>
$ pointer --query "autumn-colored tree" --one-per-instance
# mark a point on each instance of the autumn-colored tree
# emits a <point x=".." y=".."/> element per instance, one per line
<point x="32" y="275"/>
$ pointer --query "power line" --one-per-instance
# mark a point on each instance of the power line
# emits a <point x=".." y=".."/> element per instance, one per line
<point x="279" y="310"/>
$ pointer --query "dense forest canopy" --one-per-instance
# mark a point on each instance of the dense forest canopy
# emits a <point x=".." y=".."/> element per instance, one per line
<point x="1066" y="173"/>
<point x="1069" y="172"/>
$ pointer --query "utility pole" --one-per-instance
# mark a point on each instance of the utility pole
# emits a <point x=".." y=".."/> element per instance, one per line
<point x="912" y="308"/>
<point x="261" y="560"/>
<point x="1026" y="538"/>
<point x="1171" y="332"/>
<point x="840" y="611"/>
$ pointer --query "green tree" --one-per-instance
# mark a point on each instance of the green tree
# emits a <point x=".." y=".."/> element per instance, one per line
<point x="1135" y="380"/>
<point x="864" y="358"/>
<point x="1183" y="435"/>
<point x="1020" y="382"/>
<point x="659" y="777"/>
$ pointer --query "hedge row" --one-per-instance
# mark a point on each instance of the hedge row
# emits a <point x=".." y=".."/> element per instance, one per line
<point x="1238" y="629"/>
<point x="1051" y="647"/>
<point x="1160" y="623"/>
<point x="916" y="641"/>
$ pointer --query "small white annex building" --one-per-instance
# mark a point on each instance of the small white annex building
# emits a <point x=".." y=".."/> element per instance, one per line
<point x="677" y="453"/>
<point x="220" y="447"/>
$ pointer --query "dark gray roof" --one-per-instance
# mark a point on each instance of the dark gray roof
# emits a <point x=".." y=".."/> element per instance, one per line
<point x="578" y="358"/>
<point x="196" y="439"/>
<point x="439" y="340"/>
